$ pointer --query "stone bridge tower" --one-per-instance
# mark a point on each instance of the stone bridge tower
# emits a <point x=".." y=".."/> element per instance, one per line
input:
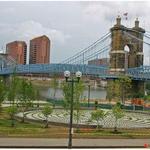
<point x="120" y="59"/>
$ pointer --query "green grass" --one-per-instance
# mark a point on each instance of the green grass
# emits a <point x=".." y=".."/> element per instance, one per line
<point x="29" y="129"/>
<point x="26" y="129"/>
<point x="110" y="134"/>
<point x="7" y="123"/>
<point x="19" y="128"/>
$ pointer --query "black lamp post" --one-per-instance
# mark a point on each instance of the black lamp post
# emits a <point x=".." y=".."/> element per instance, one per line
<point x="89" y="90"/>
<point x="72" y="81"/>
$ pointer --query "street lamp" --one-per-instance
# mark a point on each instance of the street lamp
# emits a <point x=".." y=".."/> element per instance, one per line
<point x="89" y="89"/>
<point x="72" y="81"/>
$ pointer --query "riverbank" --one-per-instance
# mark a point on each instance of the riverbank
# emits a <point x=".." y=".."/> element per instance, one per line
<point x="41" y="82"/>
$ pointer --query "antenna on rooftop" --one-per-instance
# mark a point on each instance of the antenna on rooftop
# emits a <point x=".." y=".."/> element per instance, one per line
<point x="2" y="49"/>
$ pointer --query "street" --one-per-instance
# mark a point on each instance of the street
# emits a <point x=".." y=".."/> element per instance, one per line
<point x="45" y="142"/>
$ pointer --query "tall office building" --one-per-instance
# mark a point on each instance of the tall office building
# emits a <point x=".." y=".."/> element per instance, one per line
<point x="18" y="51"/>
<point x="39" y="50"/>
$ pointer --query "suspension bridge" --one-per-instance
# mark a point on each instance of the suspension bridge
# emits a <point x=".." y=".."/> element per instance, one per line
<point x="134" y="63"/>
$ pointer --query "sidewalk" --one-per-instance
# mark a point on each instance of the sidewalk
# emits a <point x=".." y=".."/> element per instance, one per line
<point x="45" y="142"/>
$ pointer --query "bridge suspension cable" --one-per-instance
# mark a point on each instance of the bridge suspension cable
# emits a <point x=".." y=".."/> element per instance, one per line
<point x="82" y="54"/>
<point x="147" y="34"/>
<point x="147" y="57"/>
<point x="132" y="36"/>
<point x="103" y="50"/>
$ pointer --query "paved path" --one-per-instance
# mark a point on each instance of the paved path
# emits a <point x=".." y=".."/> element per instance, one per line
<point x="130" y="120"/>
<point x="45" y="142"/>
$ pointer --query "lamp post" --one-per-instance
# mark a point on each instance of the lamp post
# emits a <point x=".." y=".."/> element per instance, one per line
<point x="72" y="81"/>
<point x="89" y="95"/>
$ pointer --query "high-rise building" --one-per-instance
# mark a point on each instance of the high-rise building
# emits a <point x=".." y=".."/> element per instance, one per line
<point x="18" y="51"/>
<point x="39" y="50"/>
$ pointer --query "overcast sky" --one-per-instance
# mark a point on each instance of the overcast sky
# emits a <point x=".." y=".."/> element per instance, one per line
<point x="71" y="26"/>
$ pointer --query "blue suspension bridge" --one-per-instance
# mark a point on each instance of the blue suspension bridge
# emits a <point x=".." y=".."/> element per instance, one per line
<point x="100" y="49"/>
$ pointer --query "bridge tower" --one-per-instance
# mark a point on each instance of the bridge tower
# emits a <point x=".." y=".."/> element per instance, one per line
<point x="120" y="59"/>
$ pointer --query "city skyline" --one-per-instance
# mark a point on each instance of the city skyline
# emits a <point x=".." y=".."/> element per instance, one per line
<point x="39" y="50"/>
<point x="71" y="26"/>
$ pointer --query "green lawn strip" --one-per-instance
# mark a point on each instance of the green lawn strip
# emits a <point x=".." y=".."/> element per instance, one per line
<point x="112" y="134"/>
<point x="7" y="123"/>
<point x="20" y="128"/>
<point x="28" y="130"/>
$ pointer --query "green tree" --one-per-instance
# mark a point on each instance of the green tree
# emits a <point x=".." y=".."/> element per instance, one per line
<point x="125" y="87"/>
<point x="78" y="91"/>
<point x="12" y="89"/>
<point x="2" y="92"/>
<point x="148" y="87"/>
<point x="118" y="113"/>
<point x="47" y="110"/>
<point x="67" y="93"/>
<point x="12" y="110"/>
<point x="26" y="96"/>
<point x="54" y="85"/>
<point x="99" y="116"/>
<point x="37" y="96"/>
<point x="31" y="91"/>
<point x="66" y="88"/>
<point x="118" y="89"/>
<point x="113" y="91"/>
<point x="147" y="98"/>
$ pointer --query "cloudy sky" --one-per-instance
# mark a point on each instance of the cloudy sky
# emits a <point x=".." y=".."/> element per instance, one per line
<point x="71" y="26"/>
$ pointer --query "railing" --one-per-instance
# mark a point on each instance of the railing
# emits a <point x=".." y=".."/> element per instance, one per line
<point x="54" y="68"/>
<point x="139" y="73"/>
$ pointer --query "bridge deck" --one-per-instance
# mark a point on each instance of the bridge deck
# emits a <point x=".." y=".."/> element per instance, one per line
<point x="139" y="73"/>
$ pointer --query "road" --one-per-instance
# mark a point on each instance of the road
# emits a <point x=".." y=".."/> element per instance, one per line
<point x="47" y="142"/>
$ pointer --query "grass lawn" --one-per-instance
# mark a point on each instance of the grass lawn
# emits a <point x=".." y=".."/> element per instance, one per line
<point x="36" y="130"/>
<point x="109" y="133"/>
<point x="29" y="130"/>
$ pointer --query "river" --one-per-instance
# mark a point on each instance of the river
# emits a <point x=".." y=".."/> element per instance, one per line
<point x="94" y="93"/>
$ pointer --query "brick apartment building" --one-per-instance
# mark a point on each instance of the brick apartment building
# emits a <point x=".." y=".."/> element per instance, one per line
<point x="18" y="51"/>
<point x="102" y="61"/>
<point x="39" y="50"/>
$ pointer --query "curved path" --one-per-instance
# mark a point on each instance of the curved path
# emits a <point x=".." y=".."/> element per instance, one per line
<point x="130" y="120"/>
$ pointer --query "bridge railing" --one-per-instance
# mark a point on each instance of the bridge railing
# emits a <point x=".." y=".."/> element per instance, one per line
<point x="139" y="73"/>
<point x="54" y="68"/>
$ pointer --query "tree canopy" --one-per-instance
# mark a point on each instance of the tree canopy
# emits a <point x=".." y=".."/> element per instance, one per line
<point x="119" y="89"/>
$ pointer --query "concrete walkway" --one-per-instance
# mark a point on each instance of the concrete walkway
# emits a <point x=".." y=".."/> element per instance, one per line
<point x="47" y="142"/>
